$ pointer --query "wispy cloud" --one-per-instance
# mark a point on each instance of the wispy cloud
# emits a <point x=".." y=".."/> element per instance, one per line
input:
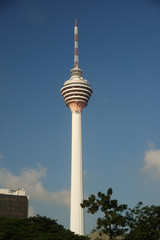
<point x="31" y="180"/>
<point x="84" y="173"/>
<point x="31" y="12"/>
<point x="31" y="211"/>
<point x="152" y="162"/>
<point x="105" y="100"/>
<point x="1" y="156"/>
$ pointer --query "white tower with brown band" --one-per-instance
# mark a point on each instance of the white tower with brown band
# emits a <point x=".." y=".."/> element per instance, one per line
<point x="76" y="93"/>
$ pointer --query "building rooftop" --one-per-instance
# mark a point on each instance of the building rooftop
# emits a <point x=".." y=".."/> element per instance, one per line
<point x="18" y="192"/>
<point x="95" y="236"/>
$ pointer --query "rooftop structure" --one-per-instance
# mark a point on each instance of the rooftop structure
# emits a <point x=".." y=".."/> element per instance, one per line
<point x="18" y="192"/>
<point x="13" y="203"/>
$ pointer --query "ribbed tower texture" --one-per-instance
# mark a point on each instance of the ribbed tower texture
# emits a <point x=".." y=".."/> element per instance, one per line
<point x="76" y="93"/>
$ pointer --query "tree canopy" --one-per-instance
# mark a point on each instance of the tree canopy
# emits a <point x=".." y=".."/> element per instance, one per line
<point x="143" y="222"/>
<point x="113" y="222"/>
<point x="35" y="228"/>
<point x="140" y="223"/>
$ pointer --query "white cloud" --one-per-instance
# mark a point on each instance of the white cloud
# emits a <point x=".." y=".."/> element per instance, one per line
<point x="31" y="211"/>
<point x="84" y="173"/>
<point x="105" y="100"/>
<point x="30" y="180"/>
<point x="31" y="12"/>
<point x="1" y="156"/>
<point x="152" y="162"/>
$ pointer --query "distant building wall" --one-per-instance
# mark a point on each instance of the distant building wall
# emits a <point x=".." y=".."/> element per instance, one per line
<point x="95" y="236"/>
<point x="13" y="203"/>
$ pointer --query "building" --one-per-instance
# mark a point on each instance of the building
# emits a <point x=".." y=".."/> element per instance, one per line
<point x="13" y="203"/>
<point x="95" y="236"/>
<point x="76" y="93"/>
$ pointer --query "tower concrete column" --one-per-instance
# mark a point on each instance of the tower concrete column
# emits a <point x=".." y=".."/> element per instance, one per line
<point x="76" y="93"/>
<point x="76" y="211"/>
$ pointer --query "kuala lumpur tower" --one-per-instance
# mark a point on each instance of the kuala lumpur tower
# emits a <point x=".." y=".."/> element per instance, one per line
<point x="76" y="93"/>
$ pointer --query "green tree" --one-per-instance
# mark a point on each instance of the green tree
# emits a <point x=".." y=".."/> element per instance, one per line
<point x="35" y="228"/>
<point x="143" y="222"/>
<point x="113" y="223"/>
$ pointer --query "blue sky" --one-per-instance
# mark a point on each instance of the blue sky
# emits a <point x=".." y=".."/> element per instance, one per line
<point x="119" y="53"/>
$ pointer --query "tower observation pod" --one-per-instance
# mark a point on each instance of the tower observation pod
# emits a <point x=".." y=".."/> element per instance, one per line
<point x="76" y="93"/>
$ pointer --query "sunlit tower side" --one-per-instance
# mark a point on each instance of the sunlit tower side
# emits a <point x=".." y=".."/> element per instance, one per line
<point x="76" y="93"/>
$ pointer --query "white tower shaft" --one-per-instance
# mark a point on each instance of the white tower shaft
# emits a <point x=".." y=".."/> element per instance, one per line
<point x="76" y="93"/>
<point x="76" y="214"/>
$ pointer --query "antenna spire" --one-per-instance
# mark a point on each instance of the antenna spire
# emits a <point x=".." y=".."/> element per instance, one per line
<point x="76" y="44"/>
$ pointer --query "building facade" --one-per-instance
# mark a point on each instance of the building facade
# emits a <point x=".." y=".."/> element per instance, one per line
<point x="13" y="203"/>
